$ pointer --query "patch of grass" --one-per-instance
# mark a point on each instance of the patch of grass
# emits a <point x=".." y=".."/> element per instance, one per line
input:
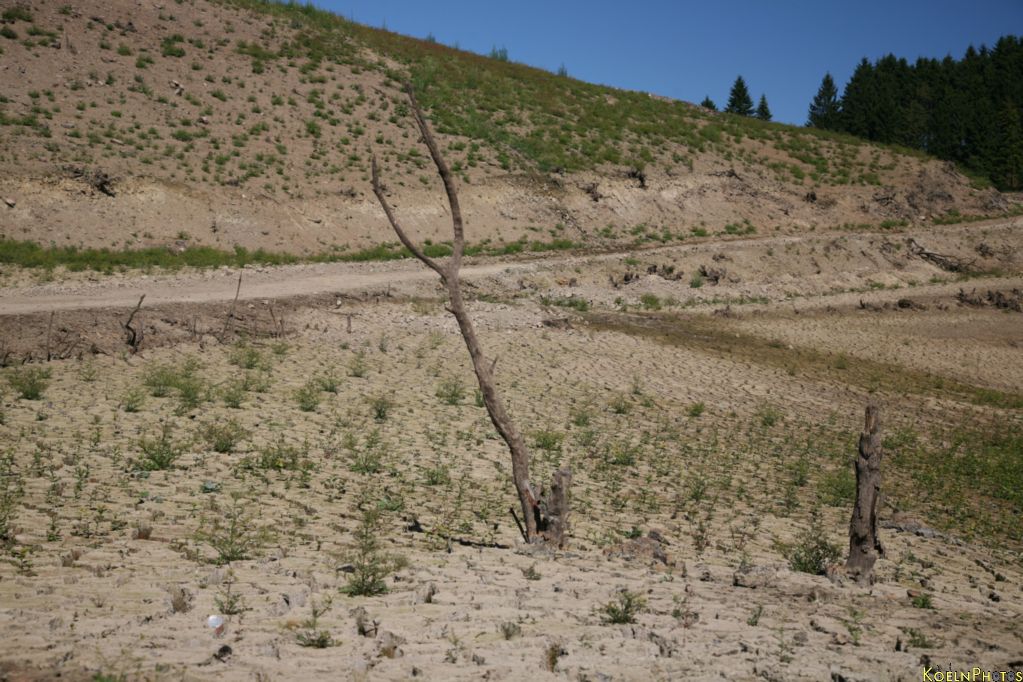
<point x="17" y="13"/>
<point x="650" y="302"/>
<point x="573" y="302"/>
<point x="29" y="254"/>
<point x="451" y="391"/>
<point x="922" y="601"/>
<point x="837" y="488"/>
<point x="719" y="337"/>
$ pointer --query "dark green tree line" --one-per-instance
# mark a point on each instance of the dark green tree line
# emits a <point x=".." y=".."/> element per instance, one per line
<point x="968" y="110"/>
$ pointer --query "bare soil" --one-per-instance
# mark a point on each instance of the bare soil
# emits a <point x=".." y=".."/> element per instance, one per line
<point x="780" y="355"/>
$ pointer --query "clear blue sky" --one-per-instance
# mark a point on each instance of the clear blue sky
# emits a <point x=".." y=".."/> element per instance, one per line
<point x="688" y="49"/>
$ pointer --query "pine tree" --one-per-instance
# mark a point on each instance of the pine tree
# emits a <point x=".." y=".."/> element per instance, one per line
<point x="708" y="103"/>
<point x="739" y="101"/>
<point x="1007" y="164"/>
<point x="763" y="111"/>
<point x="825" y="107"/>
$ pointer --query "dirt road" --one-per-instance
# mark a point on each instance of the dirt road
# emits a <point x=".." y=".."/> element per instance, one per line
<point x="760" y="258"/>
<point x="221" y="285"/>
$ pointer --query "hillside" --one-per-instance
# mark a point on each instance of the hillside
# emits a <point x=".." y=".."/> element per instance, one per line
<point x="238" y="123"/>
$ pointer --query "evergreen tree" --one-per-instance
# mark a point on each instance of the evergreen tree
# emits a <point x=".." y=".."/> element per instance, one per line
<point x="708" y="103"/>
<point x="739" y="101"/>
<point x="825" y="107"/>
<point x="763" y="111"/>
<point x="1007" y="164"/>
<point x="968" y="111"/>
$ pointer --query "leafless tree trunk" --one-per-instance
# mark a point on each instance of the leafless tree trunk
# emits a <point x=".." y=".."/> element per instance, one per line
<point x="135" y="335"/>
<point x="864" y="545"/>
<point x="547" y="522"/>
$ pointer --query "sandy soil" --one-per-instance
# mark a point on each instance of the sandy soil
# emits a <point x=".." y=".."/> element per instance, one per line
<point x="728" y="488"/>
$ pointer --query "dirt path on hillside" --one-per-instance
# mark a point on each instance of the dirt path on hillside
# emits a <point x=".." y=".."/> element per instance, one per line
<point x="83" y="291"/>
<point x="260" y="283"/>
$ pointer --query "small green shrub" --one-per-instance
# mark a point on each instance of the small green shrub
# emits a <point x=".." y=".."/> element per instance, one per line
<point x="308" y="396"/>
<point x="650" y="302"/>
<point x="311" y="635"/>
<point x="923" y="601"/>
<point x="624" y="608"/>
<point x="247" y="357"/>
<point x="223" y="436"/>
<point x="232" y="532"/>
<point x="17" y="13"/>
<point x="133" y="400"/>
<point x="813" y="552"/>
<point x="11" y="490"/>
<point x="160" y="453"/>
<point x="620" y="404"/>
<point x="380" y="405"/>
<point x="29" y="382"/>
<point x="276" y="456"/>
<point x="549" y="440"/>
<point x="233" y="393"/>
<point x="330" y="381"/>
<point x="370" y="565"/>
<point x="358" y="367"/>
<point x="450" y="391"/>
<point x="696" y="409"/>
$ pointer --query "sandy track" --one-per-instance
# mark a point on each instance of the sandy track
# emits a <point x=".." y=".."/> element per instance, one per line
<point x="211" y="286"/>
<point x="285" y="282"/>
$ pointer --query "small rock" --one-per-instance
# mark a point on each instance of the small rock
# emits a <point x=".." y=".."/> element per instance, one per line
<point x="426" y="593"/>
<point x="389" y="645"/>
<point x="753" y="576"/>
<point x="364" y="625"/>
<point x="10" y="202"/>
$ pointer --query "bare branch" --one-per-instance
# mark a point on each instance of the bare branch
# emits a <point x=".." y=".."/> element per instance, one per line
<point x="134" y="336"/>
<point x="409" y="244"/>
<point x="229" y="322"/>
<point x="445" y="176"/>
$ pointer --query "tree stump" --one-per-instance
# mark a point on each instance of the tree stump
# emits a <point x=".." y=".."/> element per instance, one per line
<point x="552" y="521"/>
<point x="864" y="545"/>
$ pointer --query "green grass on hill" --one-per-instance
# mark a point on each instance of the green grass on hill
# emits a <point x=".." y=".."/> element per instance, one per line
<point x="536" y="120"/>
<point x="31" y="255"/>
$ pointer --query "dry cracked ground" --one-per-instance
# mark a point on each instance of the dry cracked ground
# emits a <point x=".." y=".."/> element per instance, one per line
<point x="274" y="465"/>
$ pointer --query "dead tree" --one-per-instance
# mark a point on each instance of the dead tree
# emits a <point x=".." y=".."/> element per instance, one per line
<point x="945" y="262"/>
<point x="134" y="339"/>
<point x="545" y="516"/>
<point x="864" y="545"/>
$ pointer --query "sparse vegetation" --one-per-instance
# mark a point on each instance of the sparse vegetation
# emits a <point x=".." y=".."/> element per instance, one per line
<point x="29" y="382"/>
<point x="623" y="608"/>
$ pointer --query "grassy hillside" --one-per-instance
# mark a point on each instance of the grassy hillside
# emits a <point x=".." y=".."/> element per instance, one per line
<point x="235" y="101"/>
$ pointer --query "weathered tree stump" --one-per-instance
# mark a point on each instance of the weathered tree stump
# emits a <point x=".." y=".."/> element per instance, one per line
<point x="552" y="510"/>
<point x="864" y="545"/>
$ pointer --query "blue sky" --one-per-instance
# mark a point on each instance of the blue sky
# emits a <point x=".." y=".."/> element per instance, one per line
<point x="688" y="50"/>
